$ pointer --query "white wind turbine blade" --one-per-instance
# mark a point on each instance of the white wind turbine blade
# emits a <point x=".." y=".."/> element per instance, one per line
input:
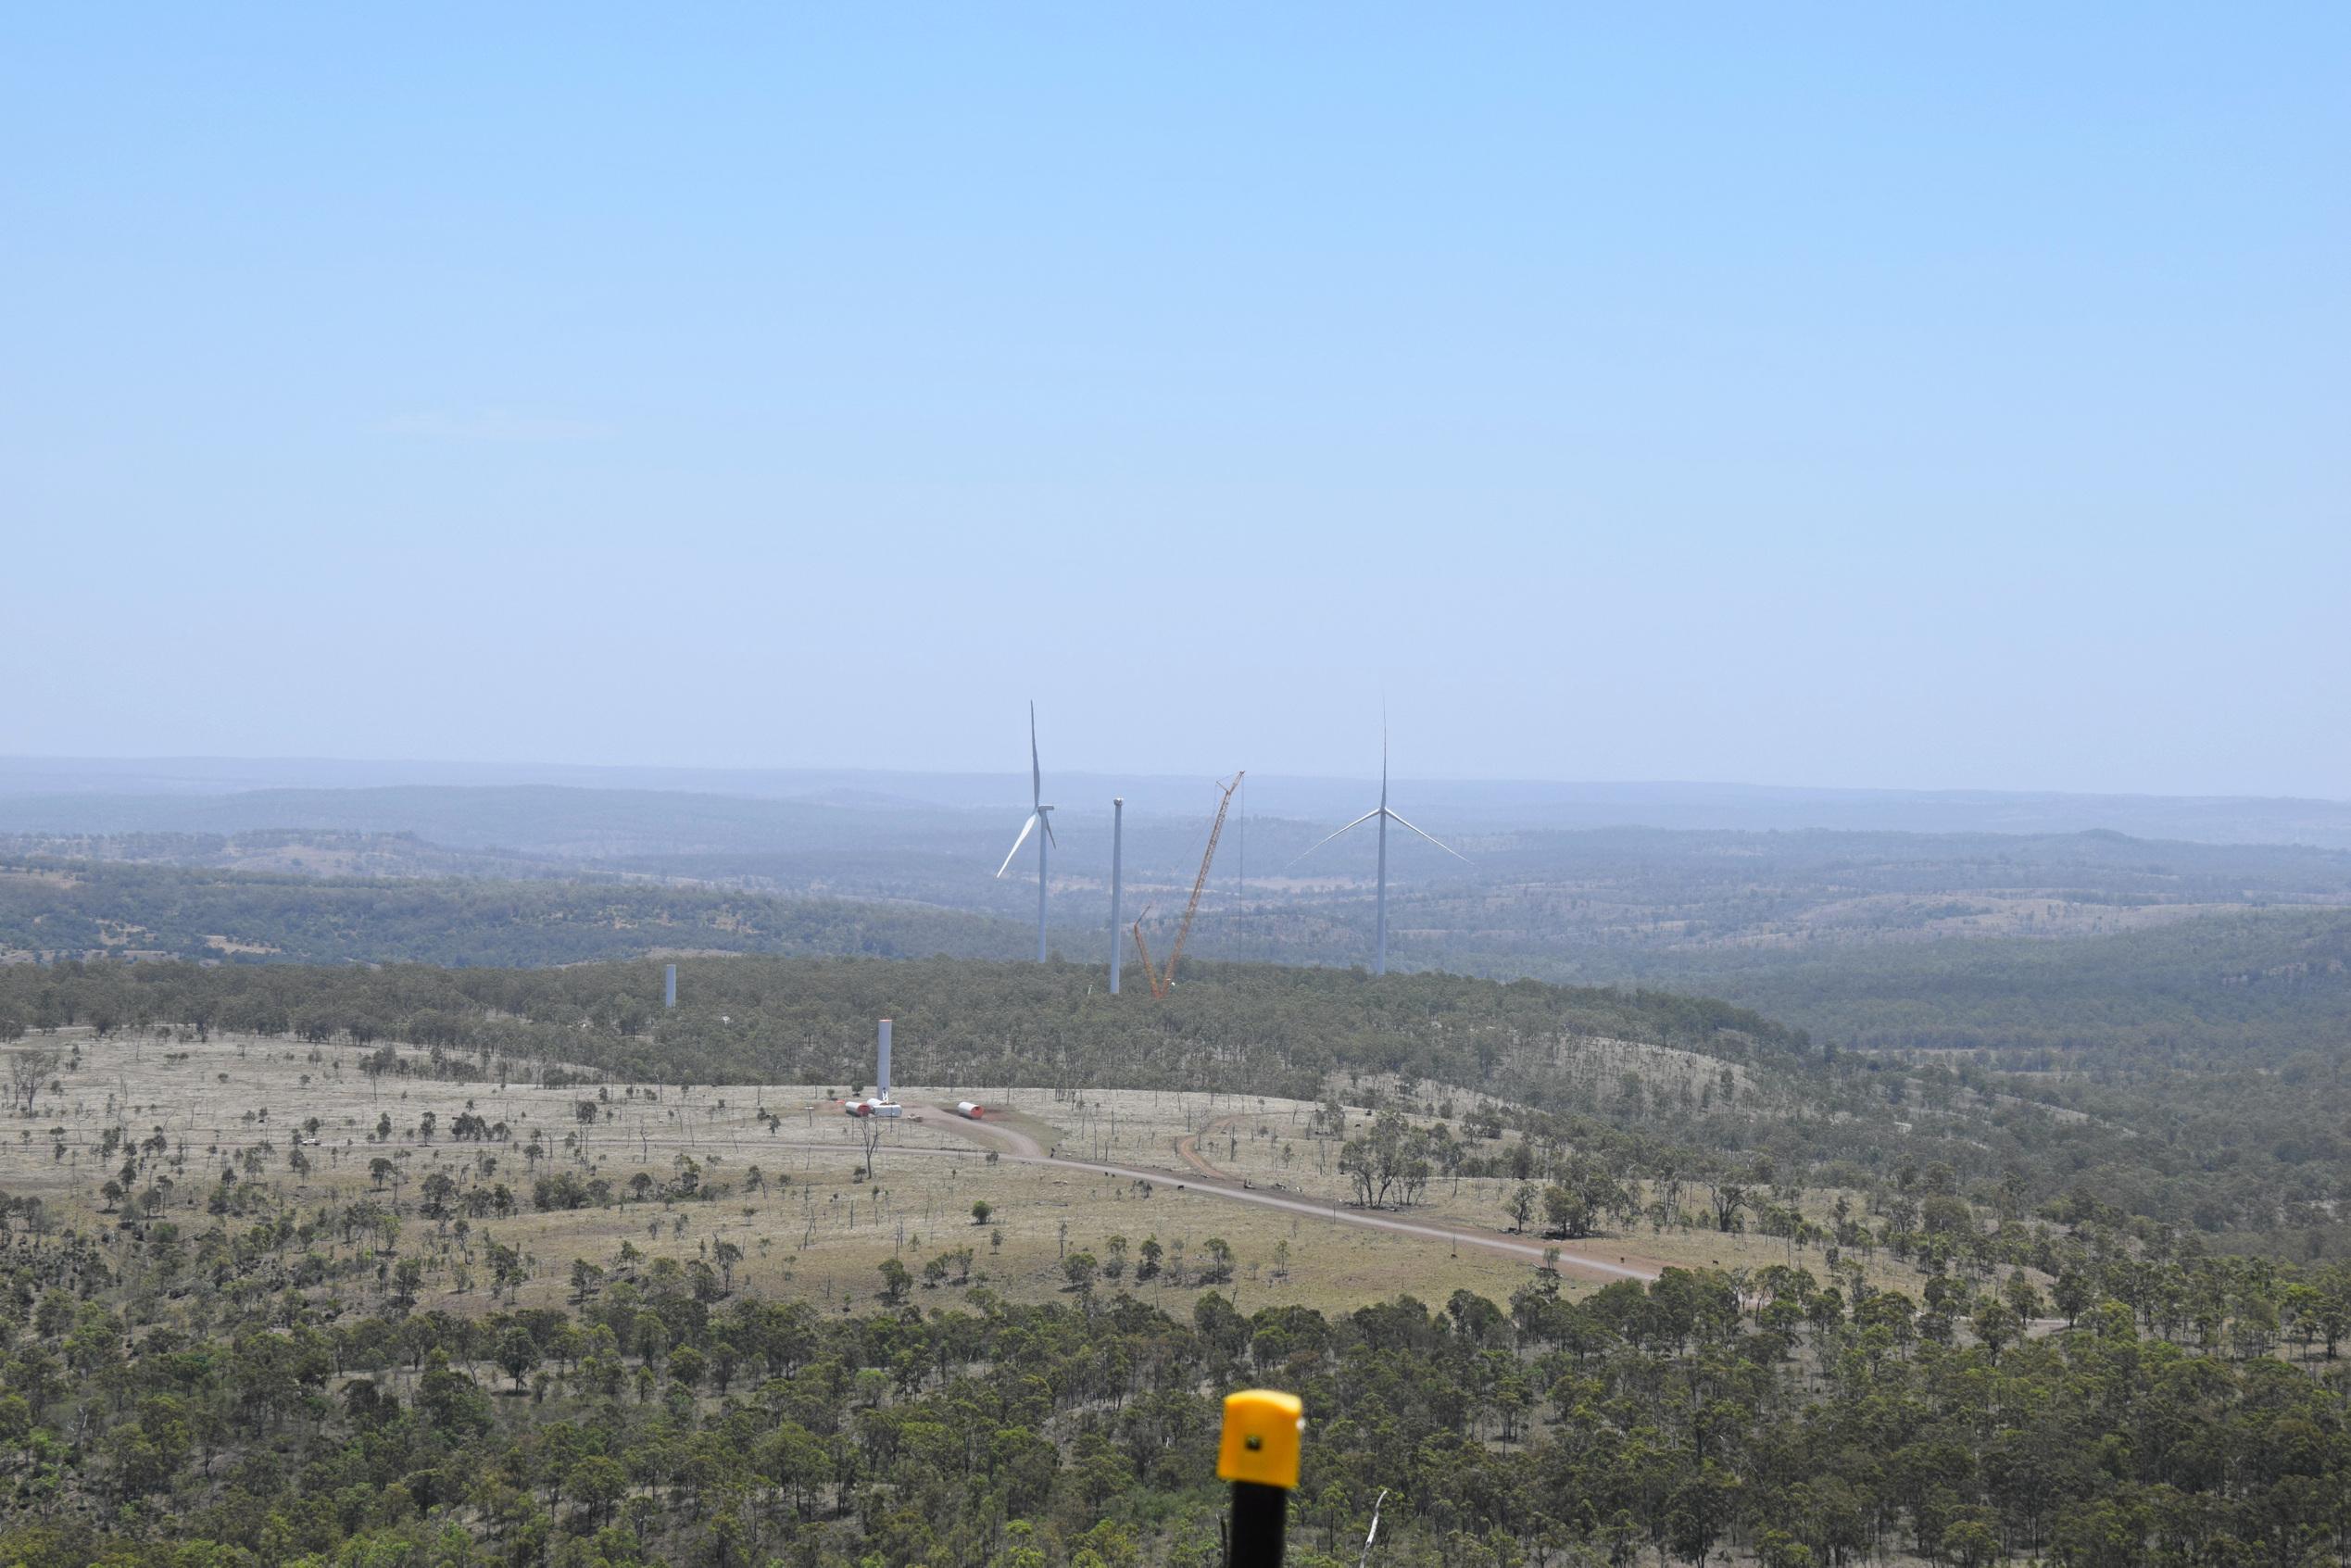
<point x="1446" y="847"/>
<point x="1036" y="773"/>
<point x="1327" y="837"/>
<point x="1045" y="815"/>
<point x="1026" y="828"/>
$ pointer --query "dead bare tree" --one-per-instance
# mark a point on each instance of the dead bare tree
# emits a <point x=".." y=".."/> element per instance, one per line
<point x="27" y="1070"/>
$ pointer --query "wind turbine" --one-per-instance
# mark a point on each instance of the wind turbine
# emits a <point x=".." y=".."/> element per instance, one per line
<point x="1383" y="816"/>
<point x="1040" y="815"/>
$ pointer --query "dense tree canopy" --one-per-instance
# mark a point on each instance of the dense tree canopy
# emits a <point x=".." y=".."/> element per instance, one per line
<point x="662" y="1421"/>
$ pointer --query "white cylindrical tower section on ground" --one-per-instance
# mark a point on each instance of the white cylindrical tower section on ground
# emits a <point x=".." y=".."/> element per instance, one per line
<point x="882" y="1064"/>
<point x="968" y="1109"/>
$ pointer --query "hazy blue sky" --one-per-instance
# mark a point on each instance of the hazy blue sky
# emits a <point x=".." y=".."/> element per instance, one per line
<point x="1779" y="394"/>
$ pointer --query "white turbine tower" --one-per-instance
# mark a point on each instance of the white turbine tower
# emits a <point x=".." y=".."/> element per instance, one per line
<point x="1383" y="816"/>
<point x="1039" y="815"/>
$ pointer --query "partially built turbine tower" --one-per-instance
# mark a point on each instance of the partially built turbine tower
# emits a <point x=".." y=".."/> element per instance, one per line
<point x="880" y="1102"/>
<point x="1118" y="846"/>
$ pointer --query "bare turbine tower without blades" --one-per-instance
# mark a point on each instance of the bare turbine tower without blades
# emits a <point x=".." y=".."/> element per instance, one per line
<point x="1118" y="849"/>
<point x="1381" y="814"/>
<point x="1039" y="815"/>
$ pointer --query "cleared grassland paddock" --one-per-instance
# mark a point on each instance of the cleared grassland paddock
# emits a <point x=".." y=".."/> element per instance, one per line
<point x="813" y="1223"/>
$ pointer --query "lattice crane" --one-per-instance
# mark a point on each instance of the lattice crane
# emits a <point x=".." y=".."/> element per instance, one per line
<point x="1162" y="983"/>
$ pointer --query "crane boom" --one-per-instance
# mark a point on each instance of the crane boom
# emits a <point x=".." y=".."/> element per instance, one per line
<point x="1215" y="831"/>
<point x="1143" y="950"/>
<point x="1158" y="987"/>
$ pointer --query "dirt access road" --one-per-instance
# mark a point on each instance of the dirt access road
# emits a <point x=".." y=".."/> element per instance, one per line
<point x="1010" y="1143"/>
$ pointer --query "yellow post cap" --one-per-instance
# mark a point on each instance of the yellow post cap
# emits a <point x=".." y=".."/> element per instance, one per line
<point x="1261" y="1428"/>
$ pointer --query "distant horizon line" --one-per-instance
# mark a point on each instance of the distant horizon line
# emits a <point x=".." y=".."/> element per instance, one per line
<point x="37" y="761"/>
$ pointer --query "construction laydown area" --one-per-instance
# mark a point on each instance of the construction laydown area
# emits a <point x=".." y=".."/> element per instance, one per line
<point x="359" y="1177"/>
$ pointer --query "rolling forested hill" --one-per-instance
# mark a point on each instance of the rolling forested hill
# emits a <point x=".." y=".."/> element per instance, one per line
<point x="2150" y="964"/>
<point x="52" y="908"/>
